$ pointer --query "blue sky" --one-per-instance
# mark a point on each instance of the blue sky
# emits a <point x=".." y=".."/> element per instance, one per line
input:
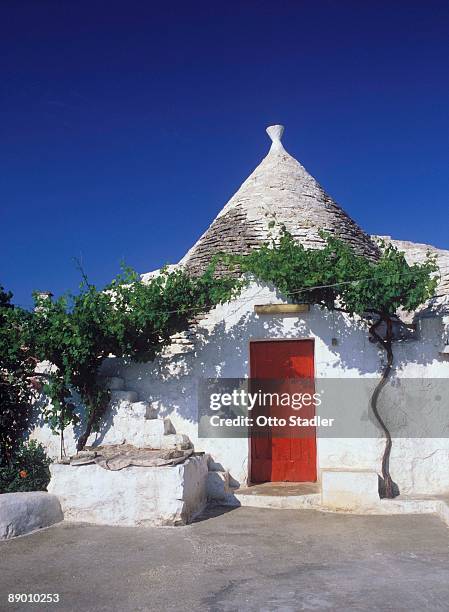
<point x="126" y="126"/>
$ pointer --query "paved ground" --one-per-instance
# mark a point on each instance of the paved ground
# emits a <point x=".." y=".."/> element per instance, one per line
<point x="244" y="559"/>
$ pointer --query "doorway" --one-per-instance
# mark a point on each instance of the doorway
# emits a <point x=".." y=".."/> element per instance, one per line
<point x="287" y="454"/>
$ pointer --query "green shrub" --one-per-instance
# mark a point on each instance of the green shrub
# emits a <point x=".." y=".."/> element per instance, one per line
<point x="17" y="366"/>
<point x="27" y="471"/>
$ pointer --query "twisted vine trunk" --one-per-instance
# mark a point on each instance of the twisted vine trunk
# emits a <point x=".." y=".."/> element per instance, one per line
<point x="97" y="407"/>
<point x="82" y="440"/>
<point x="387" y="488"/>
<point x="94" y="410"/>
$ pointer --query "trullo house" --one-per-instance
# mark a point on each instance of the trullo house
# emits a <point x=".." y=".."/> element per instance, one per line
<point x="240" y="339"/>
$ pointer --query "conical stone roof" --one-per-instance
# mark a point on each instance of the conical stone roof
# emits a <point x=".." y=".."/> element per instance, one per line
<point x="281" y="190"/>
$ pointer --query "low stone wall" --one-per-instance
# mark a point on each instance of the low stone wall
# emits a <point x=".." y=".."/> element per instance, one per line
<point x="146" y="496"/>
<point x="22" y="513"/>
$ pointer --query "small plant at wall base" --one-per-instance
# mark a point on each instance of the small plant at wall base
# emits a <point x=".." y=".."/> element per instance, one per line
<point x="128" y="318"/>
<point x="336" y="278"/>
<point x="61" y="411"/>
<point x="27" y="471"/>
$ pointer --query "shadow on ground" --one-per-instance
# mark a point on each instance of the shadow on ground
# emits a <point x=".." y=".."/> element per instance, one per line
<point x="213" y="511"/>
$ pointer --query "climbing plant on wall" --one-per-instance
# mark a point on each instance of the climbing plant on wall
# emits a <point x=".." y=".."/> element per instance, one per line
<point x="336" y="278"/>
<point x="128" y="318"/>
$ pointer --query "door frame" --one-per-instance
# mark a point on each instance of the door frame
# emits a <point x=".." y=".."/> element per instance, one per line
<point x="254" y="340"/>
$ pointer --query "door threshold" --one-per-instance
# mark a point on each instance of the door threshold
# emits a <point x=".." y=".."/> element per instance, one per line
<point x="280" y="489"/>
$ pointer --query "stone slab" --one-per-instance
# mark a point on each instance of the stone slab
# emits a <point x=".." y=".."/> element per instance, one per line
<point x="22" y="513"/>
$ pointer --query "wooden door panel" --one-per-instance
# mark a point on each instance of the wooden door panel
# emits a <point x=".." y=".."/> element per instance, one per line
<point x="292" y="457"/>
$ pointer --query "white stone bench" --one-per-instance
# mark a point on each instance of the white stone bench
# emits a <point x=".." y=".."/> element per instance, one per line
<point x="349" y="489"/>
<point x="22" y="513"/>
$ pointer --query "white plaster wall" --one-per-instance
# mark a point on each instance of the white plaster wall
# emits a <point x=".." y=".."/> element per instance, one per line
<point x="221" y="348"/>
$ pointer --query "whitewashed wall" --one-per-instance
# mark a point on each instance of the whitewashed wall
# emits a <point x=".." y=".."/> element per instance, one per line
<point x="221" y="348"/>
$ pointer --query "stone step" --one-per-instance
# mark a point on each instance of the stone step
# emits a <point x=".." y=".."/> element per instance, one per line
<point x="279" y="495"/>
<point x="139" y="410"/>
<point x="124" y="396"/>
<point x="149" y="434"/>
<point x="180" y="441"/>
<point x="136" y="410"/>
<point x="287" y="502"/>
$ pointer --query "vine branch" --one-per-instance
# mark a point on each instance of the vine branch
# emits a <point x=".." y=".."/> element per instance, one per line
<point x="388" y="488"/>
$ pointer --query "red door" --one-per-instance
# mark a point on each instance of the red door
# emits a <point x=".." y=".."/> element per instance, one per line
<point x="291" y="457"/>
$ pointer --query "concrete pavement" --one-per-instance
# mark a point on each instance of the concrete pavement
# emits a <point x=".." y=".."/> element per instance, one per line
<point x="247" y="559"/>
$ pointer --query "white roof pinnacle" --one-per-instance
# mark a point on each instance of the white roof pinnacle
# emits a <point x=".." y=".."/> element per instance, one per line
<point x="275" y="133"/>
